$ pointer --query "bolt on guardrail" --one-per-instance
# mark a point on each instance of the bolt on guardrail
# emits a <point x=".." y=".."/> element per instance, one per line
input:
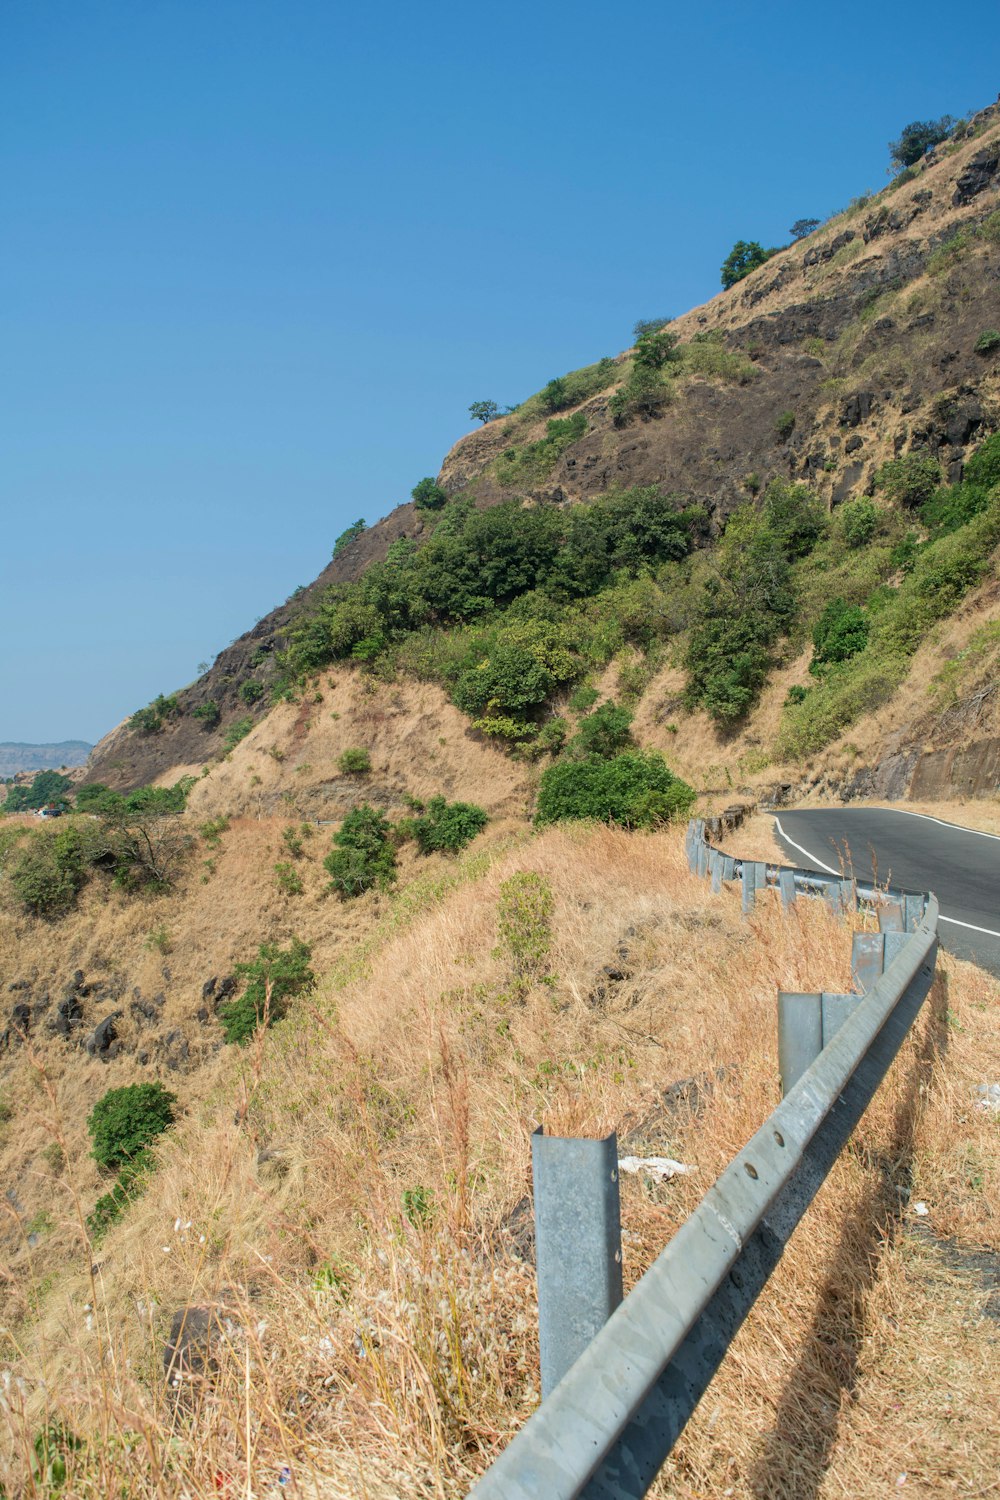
<point x="613" y="1408"/>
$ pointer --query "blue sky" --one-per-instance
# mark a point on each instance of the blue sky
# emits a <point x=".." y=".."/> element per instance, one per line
<point x="259" y="257"/>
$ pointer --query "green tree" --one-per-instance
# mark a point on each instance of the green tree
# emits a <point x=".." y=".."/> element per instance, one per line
<point x="653" y="350"/>
<point x="484" y="411"/>
<point x="347" y="537"/>
<point x="910" y="479"/>
<point x="802" y="227"/>
<point x="744" y="257"/>
<point x="840" y="632"/>
<point x="917" y="138"/>
<point x="428" y="495"/>
<point x="272" y="979"/>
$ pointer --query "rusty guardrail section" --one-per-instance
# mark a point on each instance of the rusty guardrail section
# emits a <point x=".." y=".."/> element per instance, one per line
<point x="625" y="1393"/>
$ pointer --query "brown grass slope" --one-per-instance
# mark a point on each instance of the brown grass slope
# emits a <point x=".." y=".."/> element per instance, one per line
<point x="349" y="1193"/>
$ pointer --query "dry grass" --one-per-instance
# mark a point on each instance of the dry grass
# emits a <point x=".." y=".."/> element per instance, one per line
<point x="347" y="1191"/>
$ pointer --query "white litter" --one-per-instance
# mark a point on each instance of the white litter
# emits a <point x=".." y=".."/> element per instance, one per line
<point x="921" y="1210"/>
<point x="660" y="1167"/>
<point x="989" y="1097"/>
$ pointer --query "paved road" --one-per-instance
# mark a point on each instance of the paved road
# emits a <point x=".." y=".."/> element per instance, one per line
<point x="960" y="866"/>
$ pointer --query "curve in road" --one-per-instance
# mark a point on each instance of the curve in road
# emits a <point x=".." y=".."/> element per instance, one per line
<point x="916" y="853"/>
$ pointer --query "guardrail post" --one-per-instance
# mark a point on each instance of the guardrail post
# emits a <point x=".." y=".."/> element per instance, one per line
<point x="715" y="869"/>
<point x="867" y="959"/>
<point x="836" y="1010"/>
<point x="913" y="911"/>
<point x="800" y="1035"/>
<point x="578" y="1254"/>
<point x="754" y="878"/>
<point x="786" y="885"/>
<point x="890" y="916"/>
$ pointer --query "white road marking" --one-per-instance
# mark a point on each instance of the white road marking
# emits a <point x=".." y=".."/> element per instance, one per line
<point x="970" y="925"/>
<point x="988" y="931"/>
<point x="817" y="862"/>
<point x="904" y="812"/>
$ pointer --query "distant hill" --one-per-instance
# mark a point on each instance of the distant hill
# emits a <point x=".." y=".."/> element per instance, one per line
<point x="16" y="757"/>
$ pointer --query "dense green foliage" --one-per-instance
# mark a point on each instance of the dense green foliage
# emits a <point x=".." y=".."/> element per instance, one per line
<point x="840" y="632"/>
<point x="49" y="872"/>
<point x="634" y="790"/>
<point x="857" y="521"/>
<point x="272" y="979"/>
<point x="917" y="138"/>
<point x="910" y="479"/>
<point x="363" y="854"/>
<point x="744" y="257"/>
<point x="156" y="715"/>
<point x="125" y="1121"/>
<point x="133" y="1175"/>
<point x="45" y="787"/>
<point x="604" y="732"/>
<point x="354" y="762"/>
<point x="428" y="495"/>
<point x="447" y="827"/>
<point x="208" y="713"/>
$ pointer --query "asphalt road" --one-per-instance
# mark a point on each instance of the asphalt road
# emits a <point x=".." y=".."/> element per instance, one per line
<point x="916" y="853"/>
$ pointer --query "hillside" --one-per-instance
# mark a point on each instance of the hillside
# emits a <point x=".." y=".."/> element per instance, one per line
<point x="867" y="343"/>
<point x="401" y="878"/>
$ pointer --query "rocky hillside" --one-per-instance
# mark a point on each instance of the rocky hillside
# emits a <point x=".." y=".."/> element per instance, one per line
<point x="15" y="757"/>
<point x="870" y="339"/>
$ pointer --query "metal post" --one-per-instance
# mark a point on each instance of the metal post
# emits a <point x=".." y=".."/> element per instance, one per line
<point x="913" y="912"/>
<point x="728" y="867"/>
<point x="890" y="916"/>
<point x="715" y="869"/>
<point x="836" y="1010"/>
<point x="702" y="865"/>
<point x="867" y="959"/>
<point x="800" y="1035"/>
<point x="786" y="885"/>
<point x="578" y="1253"/>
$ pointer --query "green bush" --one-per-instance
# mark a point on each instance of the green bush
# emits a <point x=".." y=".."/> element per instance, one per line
<point x="448" y="826"/>
<point x="648" y="325"/>
<point x="910" y="479"/>
<point x="983" y="466"/>
<point x="208" y="713"/>
<point x="127" y="1120"/>
<point x="154" y="717"/>
<point x="272" y="979"/>
<point x="133" y="1177"/>
<point x="428" y="495"/>
<point x="840" y="633"/>
<point x="524" y="921"/>
<point x="635" y="789"/>
<point x="251" y="691"/>
<point x="604" y="732"/>
<point x="849" y="690"/>
<point x="987" y="341"/>
<point x="655" y="350"/>
<point x="354" y="762"/>
<point x="795" y="517"/>
<point x="857" y="521"/>
<point x="535" y="461"/>
<point x="237" y="731"/>
<point x="50" y="871"/>
<point x="363" y="855"/>
<point x="784" y="425"/>
<point x="644" y="395"/>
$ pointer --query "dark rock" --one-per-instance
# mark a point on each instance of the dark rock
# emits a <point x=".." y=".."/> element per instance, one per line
<point x="227" y="987"/>
<point x="142" y="1058"/>
<point x="19" y="984"/>
<point x="69" y="1015"/>
<point x="853" y="444"/>
<point x="820" y="253"/>
<point x="883" y="325"/>
<point x="78" y="979"/>
<point x="208" y="988"/>
<point x="956" y="468"/>
<point x="979" y="174"/>
<point x="202" y="1014"/>
<point x="144" y="1010"/>
<point x="848" y="482"/>
<point x="195" y="1333"/>
<point x="104" y="1035"/>
<point x="857" y="408"/>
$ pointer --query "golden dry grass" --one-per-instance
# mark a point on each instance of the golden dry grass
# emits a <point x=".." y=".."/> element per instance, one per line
<point x="347" y="1190"/>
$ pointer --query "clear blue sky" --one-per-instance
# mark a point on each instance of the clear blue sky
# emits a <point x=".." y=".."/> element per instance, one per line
<point x="258" y="258"/>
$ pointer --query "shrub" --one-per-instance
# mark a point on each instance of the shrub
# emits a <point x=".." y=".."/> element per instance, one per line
<point x="644" y="395"/>
<point x="840" y="632"/>
<point x="604" y="732"/>
<point x="555" y="395"/>
<point x="288" y="879"/>
<point x="354" y="762"/>
<point x="655" y="350"/>
<point x="635" y="789"/>
<point x="208" y="713"/>
<point x="272" y="978"/>
<point x="237" y="731"/>
<point x="917" y="138"/>
<point x="448" y="826"/>
<point x="133" y="1176"/>
<point x="744" y="257"/>
<point x="535" y="461"/>
<point x="153" y="718"/>
<point x="126" y="1120"/>
<point x="648" y="325"/>
<point x="784" y="425"/>
<point x="857" y="521"/>
<point x="345" y="538"/>
<point x="910" y="479"/>
<point x="427" y="495"/>
<point x="987" y="341"/>
<point x="524" y="921"/>
<point x="251" y="691"/>
<point x="796" y="694"/>
<point x="583" y="697"/>
<point x="48" y="874"/>
<point x="363" y="855"/>
<point x="983" y="467"/>
<point x="794" y="517"/>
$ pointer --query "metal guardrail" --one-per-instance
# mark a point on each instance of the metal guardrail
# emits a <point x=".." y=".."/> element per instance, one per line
<point x="611" y="1420"/>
